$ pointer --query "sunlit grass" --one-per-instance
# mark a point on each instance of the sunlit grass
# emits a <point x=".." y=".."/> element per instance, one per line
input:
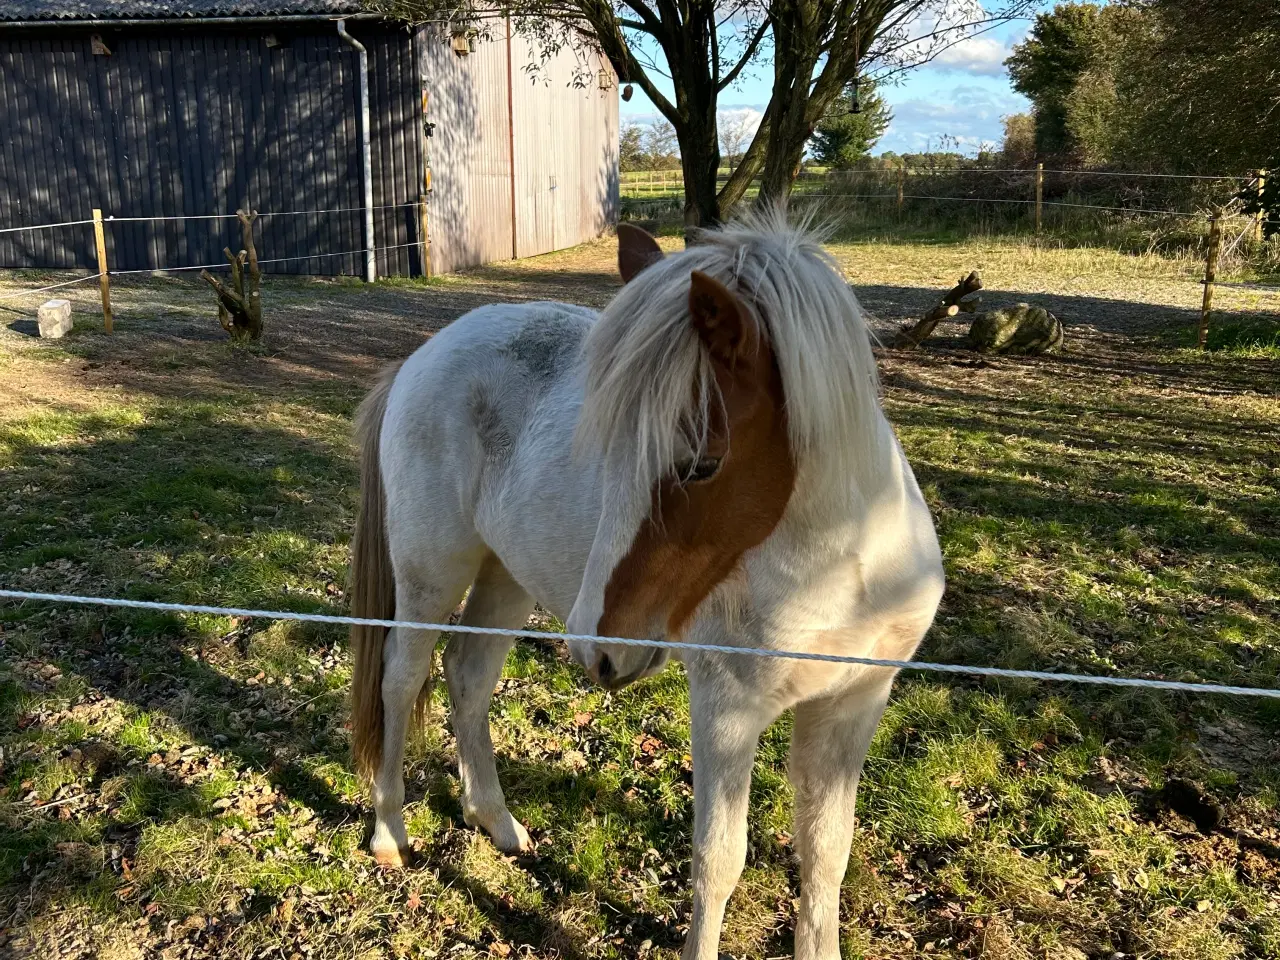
<point x="1111" y="515"/>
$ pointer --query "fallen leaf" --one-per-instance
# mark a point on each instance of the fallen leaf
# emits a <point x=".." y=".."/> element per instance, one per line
<point x="414" y="901"/>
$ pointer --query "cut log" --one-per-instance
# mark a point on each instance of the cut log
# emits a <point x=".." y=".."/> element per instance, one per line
<point x="961" y="297"/>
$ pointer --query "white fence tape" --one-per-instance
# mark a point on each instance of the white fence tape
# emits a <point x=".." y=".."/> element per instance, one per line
<point x="998" y="672"/>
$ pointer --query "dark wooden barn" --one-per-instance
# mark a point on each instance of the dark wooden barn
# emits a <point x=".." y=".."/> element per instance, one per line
<point x="192" y="108"/>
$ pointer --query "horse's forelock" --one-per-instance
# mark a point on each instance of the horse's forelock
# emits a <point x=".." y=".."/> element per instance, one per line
<point x="649" y="381"/>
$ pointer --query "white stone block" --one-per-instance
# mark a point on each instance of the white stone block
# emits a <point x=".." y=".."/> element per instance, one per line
<point x="55" y="318"/>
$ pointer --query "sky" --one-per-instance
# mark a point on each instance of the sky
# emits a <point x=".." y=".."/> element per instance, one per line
<point x="962" y="94"/>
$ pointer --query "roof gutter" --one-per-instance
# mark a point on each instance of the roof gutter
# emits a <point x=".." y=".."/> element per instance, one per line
<point x="190" y="21"/>
<point x="366" y="152"/>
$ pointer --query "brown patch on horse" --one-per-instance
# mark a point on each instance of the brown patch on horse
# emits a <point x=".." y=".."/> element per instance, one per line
<point x="697" y="531"/>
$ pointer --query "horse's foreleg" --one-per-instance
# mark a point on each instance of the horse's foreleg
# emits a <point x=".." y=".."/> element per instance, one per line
<point x="472" y="666"/>
<point x="725" y="736"/>
<point x="828" y="747"/>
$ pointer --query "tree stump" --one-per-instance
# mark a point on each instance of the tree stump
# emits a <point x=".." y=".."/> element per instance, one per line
<point x="240" y="305"/>
<point x="962" y="298"/>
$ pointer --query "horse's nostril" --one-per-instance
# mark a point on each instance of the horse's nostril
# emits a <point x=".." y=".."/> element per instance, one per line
<point x="604" y="670"/>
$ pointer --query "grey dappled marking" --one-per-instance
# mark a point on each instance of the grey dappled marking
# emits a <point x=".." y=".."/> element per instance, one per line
<point x="493" y="433"/>
<point x="545" y="345"/>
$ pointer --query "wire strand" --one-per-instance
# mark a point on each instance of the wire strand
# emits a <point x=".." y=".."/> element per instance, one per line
<point x="52" y="286"/>
<point x="952" y="668"/>
<point x="272" y="213"/>
<point x="226" y="266"/>
<point x="46" y="226"/>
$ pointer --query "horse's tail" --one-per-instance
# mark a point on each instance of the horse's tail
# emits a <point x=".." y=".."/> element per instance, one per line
<point x="372" y="583"/>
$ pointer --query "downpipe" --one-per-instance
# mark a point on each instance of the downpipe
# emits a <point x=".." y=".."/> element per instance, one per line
<point x="366" y="151"/>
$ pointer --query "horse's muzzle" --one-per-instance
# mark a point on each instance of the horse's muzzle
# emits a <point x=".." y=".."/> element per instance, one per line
<point x="604" y="670"/>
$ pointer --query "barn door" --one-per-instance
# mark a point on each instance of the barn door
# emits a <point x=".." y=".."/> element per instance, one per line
<point x="537" y="177"/>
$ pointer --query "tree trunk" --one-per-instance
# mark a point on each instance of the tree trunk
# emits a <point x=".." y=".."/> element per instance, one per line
<point x="795" y="57"/>
<point x="700" y="160"/>
<point x="782" y="160"/>
<point x="240" y="305"/>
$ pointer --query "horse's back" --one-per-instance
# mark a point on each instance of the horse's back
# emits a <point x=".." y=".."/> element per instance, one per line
<point x="469" y="411"/>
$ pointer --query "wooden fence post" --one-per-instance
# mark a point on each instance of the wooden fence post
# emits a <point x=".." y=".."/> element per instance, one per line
<point x="1039" y="193"/>
<point x="902" y="177"/>
<point x="1210" y="274"/>
<point x="1262" y="213"/>
<point x="104" y="280"/>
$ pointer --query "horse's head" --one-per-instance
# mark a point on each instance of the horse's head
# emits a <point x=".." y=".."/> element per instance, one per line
<point x="684" y="403"/>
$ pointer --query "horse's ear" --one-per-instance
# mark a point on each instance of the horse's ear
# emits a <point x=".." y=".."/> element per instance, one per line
<point x="636" y="250"/>
<point x="721" y="319"/>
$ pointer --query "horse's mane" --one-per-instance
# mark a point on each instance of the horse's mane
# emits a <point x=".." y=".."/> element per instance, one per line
<point x="643" y="355"/>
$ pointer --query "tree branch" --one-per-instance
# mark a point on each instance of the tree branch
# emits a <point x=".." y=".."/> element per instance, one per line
<point x="644" y="13"/>
<point x="608" y="31"/>
<point x="746" y="58"/>
<point x="735" y="187"/>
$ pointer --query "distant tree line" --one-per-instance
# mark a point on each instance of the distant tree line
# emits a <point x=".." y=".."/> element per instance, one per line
<point x="650" y="146"/>
<point x="1169" y="86"/>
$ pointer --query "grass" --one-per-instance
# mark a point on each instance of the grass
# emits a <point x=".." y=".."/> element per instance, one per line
<point x="183" y="785"/>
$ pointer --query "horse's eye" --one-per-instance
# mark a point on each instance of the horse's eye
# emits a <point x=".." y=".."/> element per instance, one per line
<point x="699" y="471"/>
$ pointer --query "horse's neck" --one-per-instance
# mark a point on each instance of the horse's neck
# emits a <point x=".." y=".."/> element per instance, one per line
<point x="838" y="544"/>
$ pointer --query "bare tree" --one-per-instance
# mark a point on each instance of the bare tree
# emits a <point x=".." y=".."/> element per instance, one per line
<point x="816" y="48"/>
<point x="661" y="143"/>
<point x="736" y="128"/>
<point x="631" y="155"/>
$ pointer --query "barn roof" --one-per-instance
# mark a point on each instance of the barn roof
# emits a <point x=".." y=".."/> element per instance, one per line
<point x="72" y="10"/>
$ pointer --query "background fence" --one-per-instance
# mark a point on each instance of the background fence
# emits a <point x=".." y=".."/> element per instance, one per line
<point x="1131" y="210"/>
<point x="1204" y="218"/>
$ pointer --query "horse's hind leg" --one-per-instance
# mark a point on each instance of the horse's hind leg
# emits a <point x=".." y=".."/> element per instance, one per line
<point x="829" y="744"/>
<point x="472" y="665"/>
<point x="424" y="593"/>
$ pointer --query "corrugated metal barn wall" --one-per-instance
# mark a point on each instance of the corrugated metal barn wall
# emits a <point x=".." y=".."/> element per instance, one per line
<point x="561" y="186"/>
<point x="195" y="121"/>
<point x="566" y="136"/>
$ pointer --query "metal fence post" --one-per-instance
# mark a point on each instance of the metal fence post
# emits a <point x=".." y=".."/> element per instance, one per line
<point x="1210" y="274"/>
<point x="426" y="235"/>
<point x="1039" y="193"/>
<point x="1262" y="213"/>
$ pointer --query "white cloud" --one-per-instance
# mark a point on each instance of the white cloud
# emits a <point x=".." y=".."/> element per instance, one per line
<point x="747" y="117"/>
<point x="968" y="112"/>
<point x="981" y="55"/>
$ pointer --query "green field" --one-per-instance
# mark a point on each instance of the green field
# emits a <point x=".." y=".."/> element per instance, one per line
<point x="181" y="787"/>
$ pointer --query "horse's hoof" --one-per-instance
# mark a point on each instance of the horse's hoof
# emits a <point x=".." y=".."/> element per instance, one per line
<point x="507" y="833"/>
<point x="512" y="837"/>
<point x="394" y="857"/>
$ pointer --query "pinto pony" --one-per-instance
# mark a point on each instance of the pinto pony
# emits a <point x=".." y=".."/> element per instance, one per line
<point x="706" y="459"/>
